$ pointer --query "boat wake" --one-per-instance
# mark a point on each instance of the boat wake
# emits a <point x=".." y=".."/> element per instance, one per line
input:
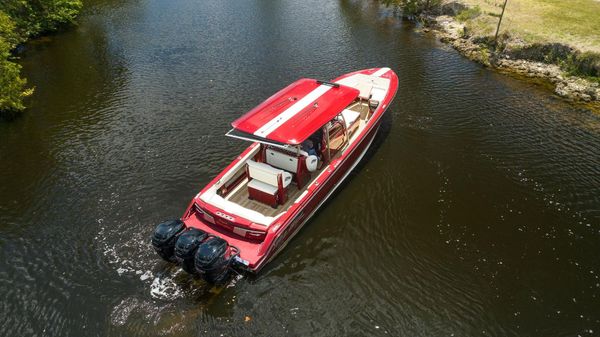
<point x="129" y="253"/>
<point x="165" y="287"/>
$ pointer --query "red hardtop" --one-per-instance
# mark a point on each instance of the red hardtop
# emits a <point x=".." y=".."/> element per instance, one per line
<point x="294" y="113"/>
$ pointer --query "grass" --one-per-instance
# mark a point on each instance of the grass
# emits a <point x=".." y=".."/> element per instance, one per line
<point x="572" y="22"/>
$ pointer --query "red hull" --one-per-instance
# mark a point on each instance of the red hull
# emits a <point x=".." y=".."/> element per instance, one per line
<point x="257" y="244"/>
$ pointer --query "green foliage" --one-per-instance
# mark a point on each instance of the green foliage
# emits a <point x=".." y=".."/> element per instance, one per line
<point x="589" y="64"/>
<point x="542" y="52"/>
<point x="12" y="89"/>
<point x="7" y="31"/>
<point x="584" y="64"/>
<point x="12" y="86"/>
<point x="574" y="62"/>
<point x="468" y="14"/>
<point x="484" y="56"/>
<point x="19" y="21"/>
<point x="413" y="7"/>
<point x="35" y="17"/>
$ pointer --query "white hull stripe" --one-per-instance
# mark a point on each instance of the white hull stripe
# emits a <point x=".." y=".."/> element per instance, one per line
<point x="290" y="112"/>
<point x="380" y="72"/>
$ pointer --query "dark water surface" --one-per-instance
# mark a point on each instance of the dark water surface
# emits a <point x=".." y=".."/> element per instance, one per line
<point x="477" y="211"/>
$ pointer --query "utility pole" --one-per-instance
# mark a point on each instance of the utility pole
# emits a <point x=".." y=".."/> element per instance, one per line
<point x="499" y="22"/>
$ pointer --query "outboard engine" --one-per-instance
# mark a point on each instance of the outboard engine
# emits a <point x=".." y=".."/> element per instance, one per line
<point x="213" y="259"/>
<point x="186" y="246"/>
<point x="165" y="236"/>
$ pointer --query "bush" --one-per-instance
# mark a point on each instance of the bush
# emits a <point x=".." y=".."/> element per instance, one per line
<point x="413" y="7"/>
<point x="574" y="62"/>
<point x="543" y="52"/>
<point x="468" y="14"/>
<point x="586" y="64"/>
<point x="452" y="8"/>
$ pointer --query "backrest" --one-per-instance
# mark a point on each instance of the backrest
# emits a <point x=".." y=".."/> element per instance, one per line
<point x="350" y="116"/>
<point x="282" y="160"/>
<point x="364" y="88"/>
<point x="263" y="172"/>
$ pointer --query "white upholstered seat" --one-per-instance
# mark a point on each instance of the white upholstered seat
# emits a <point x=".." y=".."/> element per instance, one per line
<point x="364" y="88"/>
<point x="282" y="160"/>
<point x="267" y="174"/>
<point x="263" y="187"/>
<point x="350" y="116"/>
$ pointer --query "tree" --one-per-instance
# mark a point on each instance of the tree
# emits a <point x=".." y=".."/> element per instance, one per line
<point x="19" y="21"/>
<point x="499" y="22"/>
<point x="12" y="86"/>
<point x="34" y="17"/>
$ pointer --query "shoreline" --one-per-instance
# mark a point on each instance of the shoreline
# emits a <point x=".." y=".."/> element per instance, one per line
<point x="451" y="32"/>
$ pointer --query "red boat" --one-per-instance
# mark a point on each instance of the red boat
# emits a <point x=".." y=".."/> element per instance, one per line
<point x="306" y="139"/>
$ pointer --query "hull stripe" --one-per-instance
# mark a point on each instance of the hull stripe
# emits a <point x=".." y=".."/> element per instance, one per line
<point x="380" y="72"/>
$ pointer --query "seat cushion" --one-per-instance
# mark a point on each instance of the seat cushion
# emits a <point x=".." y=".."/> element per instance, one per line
<point x="264" y="172"/>
<point x="350" y="116"/>
<point x="263" y="187"/>
<point x="378" y="94"/>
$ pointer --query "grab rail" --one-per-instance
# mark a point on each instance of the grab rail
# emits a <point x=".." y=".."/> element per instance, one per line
<point x="331" y="84"/>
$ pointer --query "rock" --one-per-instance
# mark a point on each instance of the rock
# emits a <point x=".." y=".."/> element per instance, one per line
<point x="560" y="90"/>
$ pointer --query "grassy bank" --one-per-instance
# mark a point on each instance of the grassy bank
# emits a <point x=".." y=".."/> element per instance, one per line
<point x="21" y="20"/>
<point x="575" y="23"/>
<point x="564" y="35"/>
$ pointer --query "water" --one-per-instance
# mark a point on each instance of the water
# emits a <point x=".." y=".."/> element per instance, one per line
<point x="477" y="211"/>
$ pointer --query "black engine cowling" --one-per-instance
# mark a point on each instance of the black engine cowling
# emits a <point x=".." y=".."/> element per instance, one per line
<point x="211" y="260"/>
<point x="165" y="236"/>
<point x="186" y="246"/>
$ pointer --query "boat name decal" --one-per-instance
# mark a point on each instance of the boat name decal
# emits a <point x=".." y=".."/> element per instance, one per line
<point x="225" y="216"/>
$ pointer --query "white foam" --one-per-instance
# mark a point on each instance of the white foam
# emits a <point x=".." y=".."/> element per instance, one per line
<point x="164" y="287"/>
<point x="121" y="311"/>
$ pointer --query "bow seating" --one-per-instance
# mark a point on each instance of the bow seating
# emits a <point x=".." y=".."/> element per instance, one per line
<point x="267" y="184"/>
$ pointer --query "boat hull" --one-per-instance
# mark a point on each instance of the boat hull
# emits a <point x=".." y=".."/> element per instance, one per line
<point x="255" y="254"/>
